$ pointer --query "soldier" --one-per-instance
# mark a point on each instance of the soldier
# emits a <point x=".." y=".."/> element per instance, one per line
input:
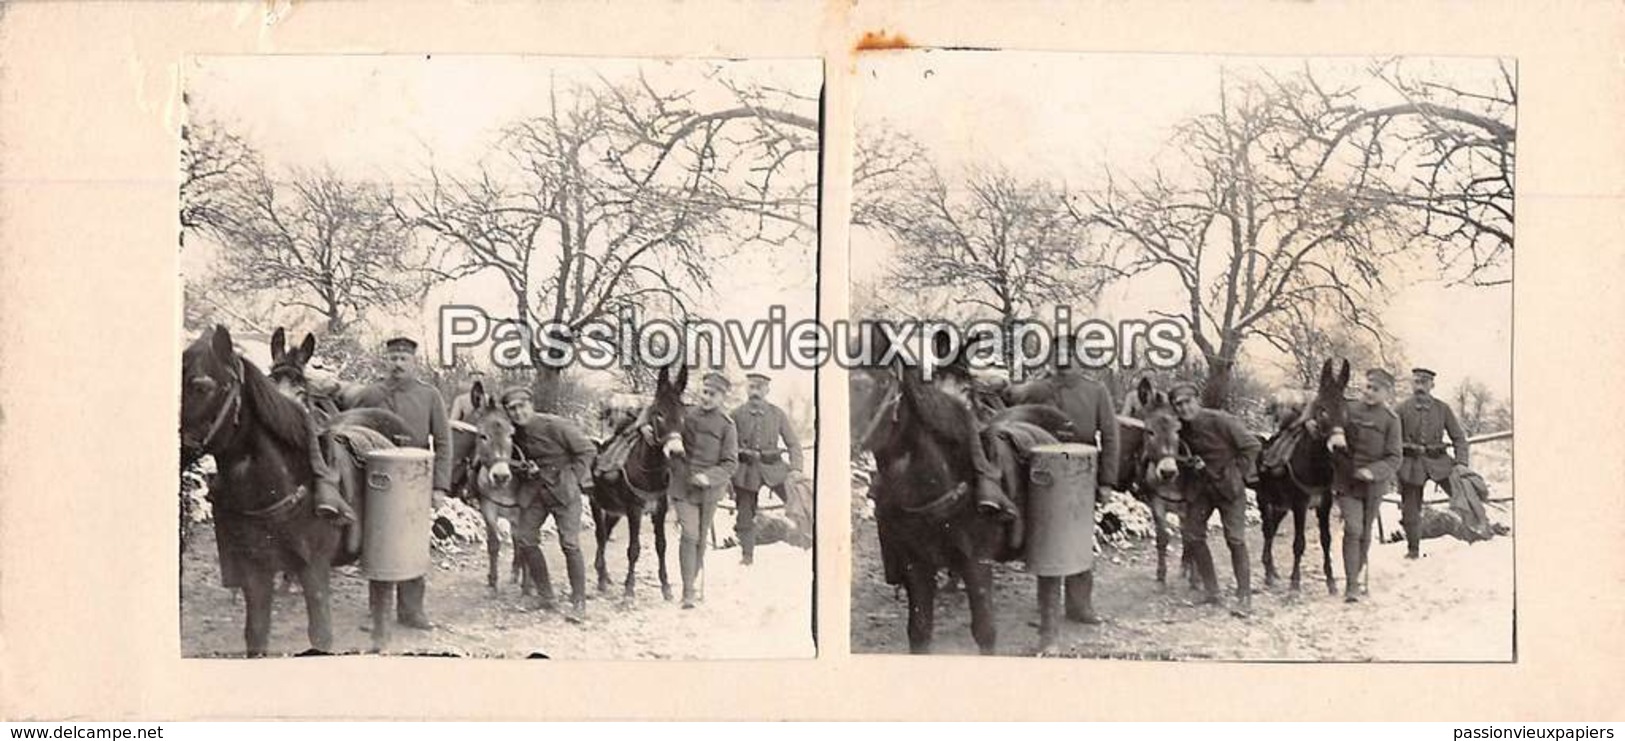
<point x="558" y="458"/>
<point x="420" y="406"/>
<point x="1225" y="453"/>
<point x="1424" y="421"/>
<point x="468" y="404"/>
<point x="760" y="425"/>
<point x="1373" y="444"/>
<point x="704" y="456"/>
<point x="1089" y="405"/>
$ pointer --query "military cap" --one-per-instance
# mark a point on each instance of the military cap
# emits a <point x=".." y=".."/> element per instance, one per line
<point x="754" y="376"/>
<point x="1423" y="372"/>
<point x="513" y="392"/>
<point x="1378" y="375"/>
<point x="1183" y="388"/>
<point x="715" y="380"/>
<point x="406" y="344"/>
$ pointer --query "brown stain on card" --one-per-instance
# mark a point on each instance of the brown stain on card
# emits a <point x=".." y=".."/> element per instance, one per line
<point x="881" y="41"/>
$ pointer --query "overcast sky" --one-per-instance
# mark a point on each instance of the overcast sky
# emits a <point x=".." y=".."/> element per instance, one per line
<point x="1065" y="116"/>
<point x="385" y="117"/>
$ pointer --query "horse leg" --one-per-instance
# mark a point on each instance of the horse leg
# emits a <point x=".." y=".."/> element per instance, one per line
<point x="662" y="507"/>
<point x="1300" y="523"/>
<point x="259" y="585"/>
<point x="921" y="584"/>
<point x="634" y="536"/>
<point x="493" y="542"/>
<point x="978" y="578"/>
<point x="603" y="525"/>
<point x="1272" y="516"/>
<point x="314" y="579"/>
<point x="1323" y="515"/>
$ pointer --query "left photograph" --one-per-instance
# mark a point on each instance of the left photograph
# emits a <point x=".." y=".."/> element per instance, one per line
<point x="485" y="357"/>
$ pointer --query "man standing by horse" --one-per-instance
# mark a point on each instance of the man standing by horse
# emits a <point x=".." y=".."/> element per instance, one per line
<point x="557" y="458"/>
<point x="467" y="406"/>
<point x="761" y="425"/>
<point x="1225" y="453"/>
<point x="705" y="455"/>
<point x="1424" y="421"/>
<point x="418" y="404"/>
<point x="1088" y="404"/>
<point x="1373" y="439"/>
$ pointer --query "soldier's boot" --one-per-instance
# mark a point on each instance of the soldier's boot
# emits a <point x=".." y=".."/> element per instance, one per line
<point x="747" y="546"/>
<point x="1049" y="609"/>
<point x="576" y="566"/>
<point x="1080" y="598"/>
<point x="688" y="565"/>
<point x="1203" y="558"/>
<point x="536" y="570"/>
<point x="330" y="503"/>
<point x="409" y="607"/>
<point x="1244" y="582"/>
<point x="380" y="602"/>
<point x="1353" y="563"/>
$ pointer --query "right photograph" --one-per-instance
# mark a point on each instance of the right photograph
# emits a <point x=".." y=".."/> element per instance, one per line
<point x="1183" y="357"/>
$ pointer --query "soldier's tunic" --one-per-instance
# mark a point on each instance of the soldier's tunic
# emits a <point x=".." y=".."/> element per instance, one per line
<point x="1424" y="422"/>
<point x="1088" y="404"/>
<point x="1373" y="435"/>
<point x="762" y="462"/>
<point x="711" y="447"/>
<point x="1228" y="452"/>
<point x="419" y="405"/>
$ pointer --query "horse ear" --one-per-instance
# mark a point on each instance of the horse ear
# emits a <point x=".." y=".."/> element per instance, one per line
<point x="1146" y="391"/>
<point x="224" y="348"/>
<point x="279" y="345"/>
<point x="682" y="378"/>
<point x="661" y="381"/>
<point x="1343" y="377"/>
<point x="307" y="349"/>
<point x="1326" y="373"/>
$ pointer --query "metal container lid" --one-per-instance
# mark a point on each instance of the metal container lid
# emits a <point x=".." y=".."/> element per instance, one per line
<point x="1067" y="449"/>
<point x="401" y="454"/>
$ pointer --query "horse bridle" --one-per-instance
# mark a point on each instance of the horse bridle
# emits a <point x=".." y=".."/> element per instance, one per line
<point x="233" y="408"/>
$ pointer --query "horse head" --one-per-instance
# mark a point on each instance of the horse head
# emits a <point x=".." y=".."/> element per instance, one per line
<point x="493" y="449"/>
<point x="665" y="415"/>
<point x="211" y="392"/>
<point x="288" y="365"/>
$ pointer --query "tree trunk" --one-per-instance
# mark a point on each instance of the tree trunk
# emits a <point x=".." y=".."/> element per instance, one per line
<point x="546" y="389"/>
<point x="1216" y="392"/>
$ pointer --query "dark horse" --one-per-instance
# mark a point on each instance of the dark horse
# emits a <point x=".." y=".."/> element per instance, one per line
<point x="921" y="438"/>
<point x="1295" y="472"/>
<point x="630" y="476"/>
<point x="265" y="521"/>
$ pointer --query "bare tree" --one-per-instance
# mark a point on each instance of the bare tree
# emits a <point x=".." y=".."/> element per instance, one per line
<point x="1248" y="223"/>
<point x="1476" y="407"/>
<point x="315" y="241"/>
<point x="1001" y="246"/>
<point x="215" y="164"/>
<point x="622" y="196"/>
<point x="1308" y="334"/>
<point x="1451" y="151"/>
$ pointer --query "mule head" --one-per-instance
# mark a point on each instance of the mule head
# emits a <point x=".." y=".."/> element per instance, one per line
<point x="211" y="389"/>
<point x="664" y="416"/>
<point x="1160" y="455"/>
<point x="288" y="365"/>
<point x="493" y="446"/>
<point x="1328" y="414"/>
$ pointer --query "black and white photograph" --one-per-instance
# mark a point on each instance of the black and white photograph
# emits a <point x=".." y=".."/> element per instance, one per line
<point x="1193" y="357"/>
<point x="458" y="355"/>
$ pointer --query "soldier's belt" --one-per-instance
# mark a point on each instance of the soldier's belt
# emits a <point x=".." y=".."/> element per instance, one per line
<point x="1430" y="451"/>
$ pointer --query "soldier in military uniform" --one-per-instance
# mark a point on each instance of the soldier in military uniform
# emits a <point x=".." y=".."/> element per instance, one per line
<point x="1373" y="445"/>
<point x="558" y="457"/>
<point x="761" y="425"/>
<point x="1226" y="453"/>
<point x="421" y="407"/>
<point x="1088" y="404"/>
<point x="1424" y="421"/>
<point x="704" y="456"/>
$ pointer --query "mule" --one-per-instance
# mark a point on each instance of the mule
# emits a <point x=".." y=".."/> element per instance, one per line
<point x="289" y="376"/>
<point x="1295" y="471"/>
<point x="630" y="476"/>
<point x="265" y="520"/>
<point x="1154" y="462"/>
